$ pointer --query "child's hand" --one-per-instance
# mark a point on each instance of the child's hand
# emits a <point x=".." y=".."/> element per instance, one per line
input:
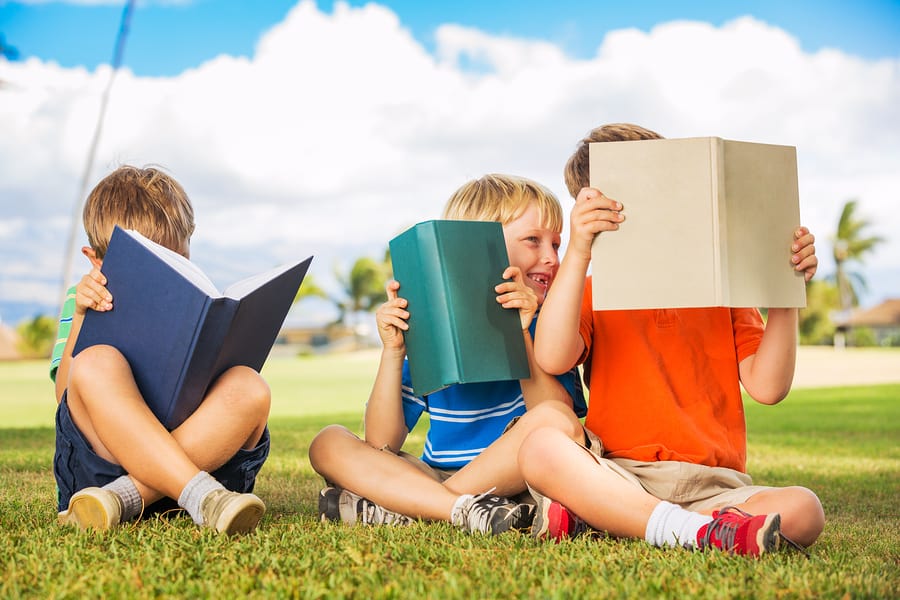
<point x="804" y="253"/>
<point x="593" y="213"/>
<point x="391" y="318"/>
<point x="515" y="294"/>
<point x="91" y="293"/>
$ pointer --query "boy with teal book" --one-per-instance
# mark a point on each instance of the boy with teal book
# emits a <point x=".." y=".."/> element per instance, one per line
<point x="468" y="474"/>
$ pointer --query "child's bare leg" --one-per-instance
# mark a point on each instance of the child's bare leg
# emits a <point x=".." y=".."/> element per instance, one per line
<point x="383" y="477"/>
<point x="108" y="409"/>
<point x="497" y="467"/>
<point x="802" y="517"/>
<point x="561" y="469"/>
<point x="232" y="416"/>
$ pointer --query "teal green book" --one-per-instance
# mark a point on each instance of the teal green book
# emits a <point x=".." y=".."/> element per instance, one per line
<point x="458" y="333"/>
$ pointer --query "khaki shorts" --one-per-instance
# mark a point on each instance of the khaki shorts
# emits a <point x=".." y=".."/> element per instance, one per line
<point x="697" y="488"/>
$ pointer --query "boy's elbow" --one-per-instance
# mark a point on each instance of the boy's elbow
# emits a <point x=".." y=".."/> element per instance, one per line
<point x="550" y="361"/>
<point x="770" y="395"/>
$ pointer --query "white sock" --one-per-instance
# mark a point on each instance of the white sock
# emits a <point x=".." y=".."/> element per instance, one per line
<point x="671" y="525"/>
<point x="124" y="488"/>
<point x="195" y="491"/>
<point x="456" y="513"/>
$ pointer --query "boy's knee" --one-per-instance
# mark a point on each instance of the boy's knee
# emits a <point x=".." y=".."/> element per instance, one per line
<point x="326" y="441"/>
<point x="95" y="364"/>
<point x="536" y="449"/>
<point x="553" y="415"/>
<point x="813" y="515"/>
<point x="248" y="387"/>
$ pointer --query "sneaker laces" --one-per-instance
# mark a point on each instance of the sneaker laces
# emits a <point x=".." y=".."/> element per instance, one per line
<point x="794" y="545"/>
<point x="723" y="528"/>
<point x="370" y="513"/>
<point x="476" y="514"/>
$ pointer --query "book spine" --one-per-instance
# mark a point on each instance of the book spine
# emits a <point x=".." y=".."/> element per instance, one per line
<point x="719" y="221"/>
<point x="195" y="375"/>
<point x="445" y="276"/>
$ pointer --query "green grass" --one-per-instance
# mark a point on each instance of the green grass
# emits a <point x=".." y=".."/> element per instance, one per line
<point x="844" y="443"/>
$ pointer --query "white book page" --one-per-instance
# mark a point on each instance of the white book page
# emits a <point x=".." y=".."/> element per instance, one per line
<point x="243" y="287"/>
<point x="183" y="266"/>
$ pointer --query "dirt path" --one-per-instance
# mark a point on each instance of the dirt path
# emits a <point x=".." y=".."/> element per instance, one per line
<point x="823" y="366"/>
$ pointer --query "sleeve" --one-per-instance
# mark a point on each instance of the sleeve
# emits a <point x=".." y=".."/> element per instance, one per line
<point x="62" y="332"/>
<point x="413" y="406"/>
<point x="571" y="380"/>
<point x="748" y="329"/>
<point x="586" y="323"/>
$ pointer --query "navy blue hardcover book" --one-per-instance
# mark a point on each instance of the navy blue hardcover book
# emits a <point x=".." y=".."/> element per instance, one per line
<point x="176" y="330"/>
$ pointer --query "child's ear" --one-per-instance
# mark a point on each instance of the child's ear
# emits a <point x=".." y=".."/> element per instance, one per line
<point x="92" y="256"/>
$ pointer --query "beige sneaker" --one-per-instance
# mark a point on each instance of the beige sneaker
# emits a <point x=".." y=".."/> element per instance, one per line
<point x="231" y="512"/>
<point x="92" y="508"/>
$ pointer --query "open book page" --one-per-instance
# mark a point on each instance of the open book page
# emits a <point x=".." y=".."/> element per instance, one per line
<point x="243" y="287"/>
<point x="180" y="264"/>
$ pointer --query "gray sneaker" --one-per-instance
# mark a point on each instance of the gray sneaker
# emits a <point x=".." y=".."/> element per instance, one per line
<point x="490" y="514"/>
<point x="230" y="512"/>
<point x="92" y="508"/>
<point x="337" y="504"/>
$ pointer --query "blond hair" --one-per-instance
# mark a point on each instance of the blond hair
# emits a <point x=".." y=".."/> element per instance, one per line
<point x="503" y="198"/>
<point x="146" y="200"/>
<point x="577" y="169"/>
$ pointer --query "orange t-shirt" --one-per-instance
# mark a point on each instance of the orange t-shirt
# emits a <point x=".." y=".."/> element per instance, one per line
<point x="664" y="384"/>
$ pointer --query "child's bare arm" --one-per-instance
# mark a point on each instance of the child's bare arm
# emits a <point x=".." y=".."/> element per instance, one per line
<point x="541" y="386"/>
<point x="384" y="421"/>
<point x="768" y="374"/>
<point x="557" y="341"/>
<point x="90" y="294"/>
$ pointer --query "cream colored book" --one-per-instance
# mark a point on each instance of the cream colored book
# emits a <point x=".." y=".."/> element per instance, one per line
<point x="709" y="222"/>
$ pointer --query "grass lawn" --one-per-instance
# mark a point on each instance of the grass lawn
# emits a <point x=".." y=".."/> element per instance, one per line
<point x="844" y="443"/>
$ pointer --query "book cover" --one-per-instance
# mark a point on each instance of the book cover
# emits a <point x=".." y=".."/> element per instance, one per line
<point x="458" y="333"/>
<point x="709" y="222"/>
<point x="176" y="330"/>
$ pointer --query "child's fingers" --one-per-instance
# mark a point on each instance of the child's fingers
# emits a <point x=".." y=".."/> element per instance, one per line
<point x="98" y="276"/>
<point x="391" y="288"/>
<point x="397" y="321"/>
<point x="89" y="293"/>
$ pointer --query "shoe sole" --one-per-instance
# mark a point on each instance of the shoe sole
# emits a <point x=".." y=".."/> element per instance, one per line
<point x="768" y="538"/>
<point x="551" y="522"/>
<point x="87" y="511"/>
<point x="241" y="517"/>
<point x="329" y="505"/>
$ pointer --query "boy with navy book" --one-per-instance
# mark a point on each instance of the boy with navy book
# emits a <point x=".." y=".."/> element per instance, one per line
<point x="114" y="458"/>
<point x="468" y="475"/>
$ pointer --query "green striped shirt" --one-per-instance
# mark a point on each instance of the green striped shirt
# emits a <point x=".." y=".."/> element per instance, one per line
<point x="62" y="332"/>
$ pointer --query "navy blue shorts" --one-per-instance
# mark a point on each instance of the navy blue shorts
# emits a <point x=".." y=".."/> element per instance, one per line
<point x="76" y="465"/>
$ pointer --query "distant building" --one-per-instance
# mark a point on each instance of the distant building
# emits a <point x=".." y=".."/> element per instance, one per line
<point x="883" y="319"/>
<point x="9" y="343"/>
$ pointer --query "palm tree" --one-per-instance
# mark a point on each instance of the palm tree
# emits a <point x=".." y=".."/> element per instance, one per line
<point x="6" y="51"/>
<point x="850" y="245"/>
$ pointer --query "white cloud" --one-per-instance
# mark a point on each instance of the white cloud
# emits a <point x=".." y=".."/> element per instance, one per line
<point x="342" y="130"/>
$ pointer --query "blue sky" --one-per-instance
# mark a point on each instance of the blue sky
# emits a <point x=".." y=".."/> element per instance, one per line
<point x="167" y="37"/>
<point x="303" y="128"/>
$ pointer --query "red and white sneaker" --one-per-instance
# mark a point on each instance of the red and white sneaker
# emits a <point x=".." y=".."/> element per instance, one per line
<point x="733" y="530"/>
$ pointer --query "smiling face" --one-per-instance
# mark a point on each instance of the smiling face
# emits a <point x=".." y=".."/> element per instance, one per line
<point x="534" y="249"/>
